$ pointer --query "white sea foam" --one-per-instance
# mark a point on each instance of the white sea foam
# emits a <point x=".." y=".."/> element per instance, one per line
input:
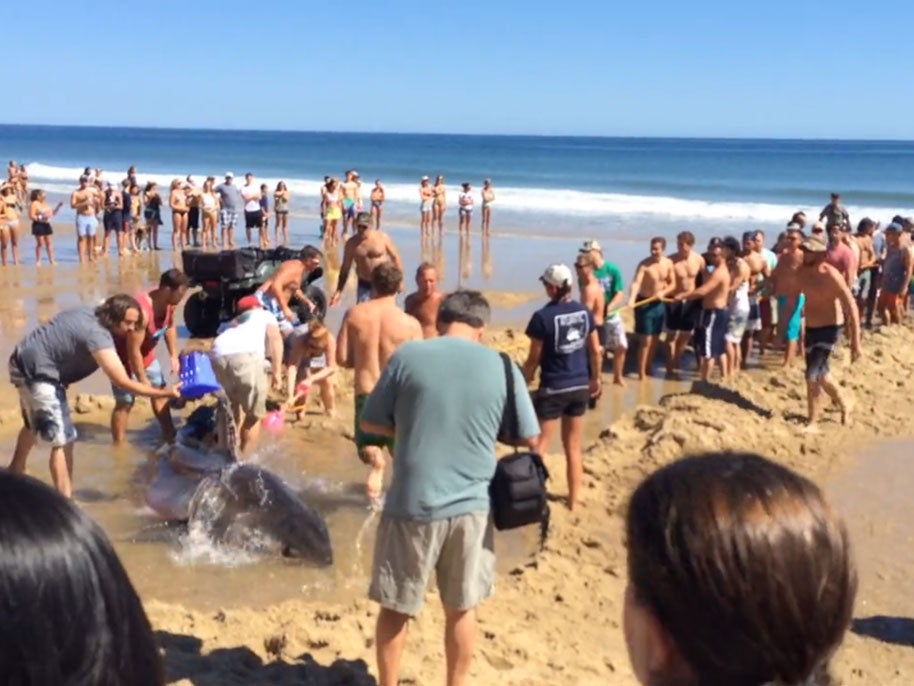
<point x="540" y="201"/>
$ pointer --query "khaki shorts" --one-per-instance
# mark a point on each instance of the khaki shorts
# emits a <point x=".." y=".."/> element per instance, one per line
<point x="244" y="381"/>
<point x="460" y="550"/>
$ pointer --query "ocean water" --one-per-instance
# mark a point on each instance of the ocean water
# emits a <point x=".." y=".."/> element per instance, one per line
<point x="551" y="192"/>
<point x="608" y="187"/>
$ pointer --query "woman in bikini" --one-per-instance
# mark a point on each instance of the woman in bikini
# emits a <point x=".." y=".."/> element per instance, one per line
<point x="210" y="203"/>
<point x="377" y="201"/>
<point x="440" y="203"/>
<point x="152" y="213"/>
<point x="40" y="213"/>
<point x="9" y="223"/>
<point x="281" y="208"/>
<point x="488" y="197"/>
<point x="177" y="200"/>
<point x="426" y="195"/>
<point x="312" y="363"/>
<point x="333" y="211"/>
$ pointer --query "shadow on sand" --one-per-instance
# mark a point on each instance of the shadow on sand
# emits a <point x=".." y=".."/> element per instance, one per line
<point x="714" y="391"/>
<point x="896" y="630"/>
<point x="240" y="665"/>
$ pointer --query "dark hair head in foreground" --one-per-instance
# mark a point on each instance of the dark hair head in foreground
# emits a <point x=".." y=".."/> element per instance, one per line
<point x="739" y="575"/>
<point x="464" y="307"/>
<point x="70" y="615"/>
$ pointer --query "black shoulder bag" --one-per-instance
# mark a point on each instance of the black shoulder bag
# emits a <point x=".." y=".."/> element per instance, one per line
<point x="518" y="489"/>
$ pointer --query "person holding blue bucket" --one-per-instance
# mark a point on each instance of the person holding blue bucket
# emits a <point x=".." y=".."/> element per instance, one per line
<point x="238" y="360"/>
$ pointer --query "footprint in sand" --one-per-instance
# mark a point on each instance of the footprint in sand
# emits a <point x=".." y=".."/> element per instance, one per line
<point x="497" y="661"/>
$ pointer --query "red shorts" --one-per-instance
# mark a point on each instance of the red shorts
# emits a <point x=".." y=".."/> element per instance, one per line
<point x="888" y="300"/>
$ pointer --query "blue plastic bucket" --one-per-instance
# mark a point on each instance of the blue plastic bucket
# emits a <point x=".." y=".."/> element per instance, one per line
<point x="197" y="376"/>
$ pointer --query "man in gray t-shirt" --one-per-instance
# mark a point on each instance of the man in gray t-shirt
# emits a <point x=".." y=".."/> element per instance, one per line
<point x="443" y="399"/>
<point x="230" y="203"/>
<point x="65" y="350"/>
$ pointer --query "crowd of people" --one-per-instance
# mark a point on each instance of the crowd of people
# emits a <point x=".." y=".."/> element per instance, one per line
<point x="128" y="215"/>
<point x="342" y="200"/>
<point x="800" y="296"/>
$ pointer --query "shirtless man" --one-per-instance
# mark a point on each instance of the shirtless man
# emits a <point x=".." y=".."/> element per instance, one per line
<point x="367" y="249"/>
<point x="423" y="304"/>
<point x="370" y="333"/>
<point x="790" y="299"/>
<point x="351" y="190"/>
<point x="759" y="272"/>
<point x="682" y="315"/>
<point x="276" y="292"/>
<point x="867" y="270"/>
<point x="592" y="296"/>
<point x="714" y="293"/>
<point x="652" y="283"/>
<point x="612" y="338"/>
<point x="377" y="202"/>
<point x="86" y="200"/>
<point x="827" y="294"/>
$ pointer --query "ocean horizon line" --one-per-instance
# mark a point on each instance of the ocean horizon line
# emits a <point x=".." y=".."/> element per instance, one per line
<point x="566" y="136"/>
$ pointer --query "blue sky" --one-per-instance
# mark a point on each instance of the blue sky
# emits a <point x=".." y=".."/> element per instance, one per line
<point x="774" y="69"/>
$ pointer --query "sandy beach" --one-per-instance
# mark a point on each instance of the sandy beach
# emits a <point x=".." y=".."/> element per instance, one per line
<point x="556" y="614"/>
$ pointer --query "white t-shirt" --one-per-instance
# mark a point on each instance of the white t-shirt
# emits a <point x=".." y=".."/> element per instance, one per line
<point x="247" y="337"/>
<point x="251" y="195"/>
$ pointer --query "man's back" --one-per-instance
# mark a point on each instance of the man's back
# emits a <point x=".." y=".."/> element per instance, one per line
<point x="445" y="456"/>
<point x="376" y="329"/>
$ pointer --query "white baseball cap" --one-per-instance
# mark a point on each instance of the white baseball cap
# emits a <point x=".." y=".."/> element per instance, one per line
<point x="229" y="175"/>
<point x="557" y="275"/>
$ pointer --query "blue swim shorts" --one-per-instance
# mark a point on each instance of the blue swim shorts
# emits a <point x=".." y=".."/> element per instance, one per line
<point x="86" y="225"/>
<point x="153" y="373"/>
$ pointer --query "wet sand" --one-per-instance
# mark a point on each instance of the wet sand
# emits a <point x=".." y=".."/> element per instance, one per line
<point x="555" y="617"/>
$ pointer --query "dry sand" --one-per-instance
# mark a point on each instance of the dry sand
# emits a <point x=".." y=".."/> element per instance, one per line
<point x="555" y="618"/>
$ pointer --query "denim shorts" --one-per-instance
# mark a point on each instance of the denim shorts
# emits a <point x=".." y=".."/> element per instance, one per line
<point x="153" y="373"/>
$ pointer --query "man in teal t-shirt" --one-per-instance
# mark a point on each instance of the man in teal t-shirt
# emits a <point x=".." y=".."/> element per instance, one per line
<point x="612" y="337"/>
<point x="443" y="399"/>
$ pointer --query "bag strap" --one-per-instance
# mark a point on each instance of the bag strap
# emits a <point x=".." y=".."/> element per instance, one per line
<point x="510" y="404"/>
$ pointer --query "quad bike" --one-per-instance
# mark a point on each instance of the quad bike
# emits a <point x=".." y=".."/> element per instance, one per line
<point x="227" y="276"/>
